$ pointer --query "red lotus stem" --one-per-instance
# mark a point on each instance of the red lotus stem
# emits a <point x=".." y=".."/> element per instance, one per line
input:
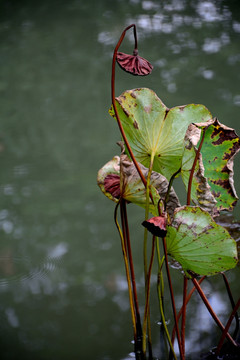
<point x="114" y="102"/>
<point x="184" y="307"/>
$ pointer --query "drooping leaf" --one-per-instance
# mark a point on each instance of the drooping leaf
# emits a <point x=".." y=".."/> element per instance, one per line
<point x="122" y="171"/>
<point x="199" y="244"/>
<point x="154" y="131"/>
<point x="213" y="186"/>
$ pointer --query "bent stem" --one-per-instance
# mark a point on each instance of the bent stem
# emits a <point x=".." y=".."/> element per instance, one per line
<point x="114" y="100"/>
<point x="214" y="316"/>
<point x="160" y="288"/>
<point x="127" y="273"/>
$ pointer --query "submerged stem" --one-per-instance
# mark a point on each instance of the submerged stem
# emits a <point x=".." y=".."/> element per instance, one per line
<point x="214" y="316"/>
<point x="227" y="327"/>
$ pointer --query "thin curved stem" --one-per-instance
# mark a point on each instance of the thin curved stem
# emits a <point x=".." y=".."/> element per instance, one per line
<point x="114" y="100"/>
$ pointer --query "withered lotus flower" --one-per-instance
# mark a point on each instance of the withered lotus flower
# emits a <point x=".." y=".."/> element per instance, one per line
<point x="134" y="64"/>
<point x="156" y="225"/>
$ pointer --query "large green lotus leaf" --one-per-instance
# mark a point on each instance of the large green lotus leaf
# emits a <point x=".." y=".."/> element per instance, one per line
<point x="155" y="131"/>
<point x="199" y="244"/>
<point x="220" y="145"/>
<point x="119" y="176"/>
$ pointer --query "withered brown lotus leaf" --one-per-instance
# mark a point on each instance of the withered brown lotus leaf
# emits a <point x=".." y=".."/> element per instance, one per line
<point x="134" y="64"/>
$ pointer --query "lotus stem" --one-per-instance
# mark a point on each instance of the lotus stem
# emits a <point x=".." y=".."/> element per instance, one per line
<point x="114" y="100"/>
<point x="184" y="307"/>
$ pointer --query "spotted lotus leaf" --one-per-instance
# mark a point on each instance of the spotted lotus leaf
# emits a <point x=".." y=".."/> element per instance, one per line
<point x="119" y="177"/>
<point x="199" y="244"/>
<point x="215" y="164"/>
<point x="155" y="131"/>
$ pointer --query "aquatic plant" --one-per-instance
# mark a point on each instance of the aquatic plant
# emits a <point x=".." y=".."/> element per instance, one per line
<point x="158" y="145"/>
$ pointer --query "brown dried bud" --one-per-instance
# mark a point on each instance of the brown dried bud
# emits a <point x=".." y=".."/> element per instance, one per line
<point x="134" y="64"/>
<point x="112" y="185"/>
<point x="156" y="225"/>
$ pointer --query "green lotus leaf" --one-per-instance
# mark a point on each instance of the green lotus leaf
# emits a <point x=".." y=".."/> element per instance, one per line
<point x="199" y="244"/>
<point x="154" y="131"/>
<point x="119" y="177"/>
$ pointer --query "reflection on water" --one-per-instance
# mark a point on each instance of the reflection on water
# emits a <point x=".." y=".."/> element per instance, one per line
<point x="63" y="291"/>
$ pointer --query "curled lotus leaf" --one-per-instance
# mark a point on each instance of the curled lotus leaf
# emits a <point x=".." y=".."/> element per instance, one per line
<point x="154" y="131"/>
<point x="215" y="164"/>
<point x="131" y="187"/>
<point x="199" y="244"/>
<point x="201" y="194"/>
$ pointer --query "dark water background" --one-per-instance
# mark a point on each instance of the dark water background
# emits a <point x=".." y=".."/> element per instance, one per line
<point x="63" y="293"/>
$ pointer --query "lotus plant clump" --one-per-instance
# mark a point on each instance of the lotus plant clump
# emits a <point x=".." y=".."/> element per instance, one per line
<point x="158" y="145"/>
